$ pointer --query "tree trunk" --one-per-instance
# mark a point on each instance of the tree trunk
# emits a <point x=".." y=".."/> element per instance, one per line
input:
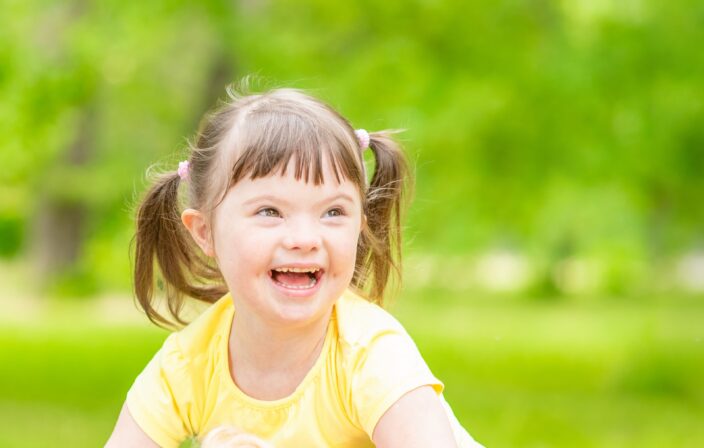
<point x="59" y="228"/>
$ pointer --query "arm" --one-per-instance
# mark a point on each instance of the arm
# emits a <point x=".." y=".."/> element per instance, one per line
<point x="417" y="419"/>
<point x="128" y="434"/>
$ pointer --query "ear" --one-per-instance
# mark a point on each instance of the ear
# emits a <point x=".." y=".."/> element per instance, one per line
<point x="199" y="229"/>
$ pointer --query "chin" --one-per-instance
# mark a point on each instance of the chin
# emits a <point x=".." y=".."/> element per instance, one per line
<point x="291" y="314"/>
<point x="297" y="312"/>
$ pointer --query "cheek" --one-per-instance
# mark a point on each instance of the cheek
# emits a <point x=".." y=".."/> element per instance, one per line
<point x="235" y="251"/>
<point x="346" y="247"/>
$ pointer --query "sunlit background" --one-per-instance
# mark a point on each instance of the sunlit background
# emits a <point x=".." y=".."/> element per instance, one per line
<point x="554" y="269"/>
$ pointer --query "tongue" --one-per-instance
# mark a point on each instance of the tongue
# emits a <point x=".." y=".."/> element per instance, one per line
<point x="292" y="278"/>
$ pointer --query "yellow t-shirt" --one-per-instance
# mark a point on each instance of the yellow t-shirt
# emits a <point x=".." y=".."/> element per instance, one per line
<point x="367" y="363"/>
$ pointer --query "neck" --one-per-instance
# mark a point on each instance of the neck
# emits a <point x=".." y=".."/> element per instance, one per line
<point x="268" y="361"/>
<point x="269" y="347"/>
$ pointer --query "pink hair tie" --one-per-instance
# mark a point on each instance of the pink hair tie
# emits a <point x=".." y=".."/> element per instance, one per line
<point x="183" y="169"/>
<point x="362" y="138"/>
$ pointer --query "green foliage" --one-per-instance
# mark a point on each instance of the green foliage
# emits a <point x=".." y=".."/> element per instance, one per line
<point x="190" y="443"/>
<point x="516" y="374"/>
<point x="544" y="126"/>
<point x="569" y="132"/>
<point x="12" y="231"/>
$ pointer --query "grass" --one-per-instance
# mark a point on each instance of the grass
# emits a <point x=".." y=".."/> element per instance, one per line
<point x="578" y="375"/>
<point x="600" y="374"/>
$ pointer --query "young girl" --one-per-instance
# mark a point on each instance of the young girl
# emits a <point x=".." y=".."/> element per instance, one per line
<point x="294" y="247"/>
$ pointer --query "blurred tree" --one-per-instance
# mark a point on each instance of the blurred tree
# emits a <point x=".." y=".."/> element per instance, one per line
<point x="519" y="114"/>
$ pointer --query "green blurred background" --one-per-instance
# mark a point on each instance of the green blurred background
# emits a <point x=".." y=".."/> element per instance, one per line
<point x="554" y="252"/>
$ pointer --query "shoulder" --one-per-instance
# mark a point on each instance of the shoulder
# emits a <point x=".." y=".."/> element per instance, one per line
<point x="368" y="334"/>
<point x="185" y="349"/>
<point x="360" y="322"/>
<point x="379" y="362"/>
<point x="203" y="333"/>
<point x="184" y="353"/>
<point x="166" y="398"/>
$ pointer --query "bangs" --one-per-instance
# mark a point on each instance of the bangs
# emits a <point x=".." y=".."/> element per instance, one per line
<point x="269" y="140"/>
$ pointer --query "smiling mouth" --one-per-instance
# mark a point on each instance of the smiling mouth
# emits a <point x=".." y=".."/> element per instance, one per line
<point x="296" y="278"/>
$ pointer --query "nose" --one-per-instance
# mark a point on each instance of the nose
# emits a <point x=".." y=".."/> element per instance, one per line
<point x="303" y="235"/>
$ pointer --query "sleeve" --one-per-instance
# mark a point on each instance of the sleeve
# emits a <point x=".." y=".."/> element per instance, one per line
<point x="462" y="437"/>
<point x="160" y="398"/>
<point x="387" y="368"/>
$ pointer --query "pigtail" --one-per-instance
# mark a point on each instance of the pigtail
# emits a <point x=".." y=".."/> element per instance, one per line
<point x="162" y="238"/>
<point x="379" y="253"/>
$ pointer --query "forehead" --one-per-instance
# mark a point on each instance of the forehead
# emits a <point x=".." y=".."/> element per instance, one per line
<point x="274" y="139"/>
<point x="325" y="166"/>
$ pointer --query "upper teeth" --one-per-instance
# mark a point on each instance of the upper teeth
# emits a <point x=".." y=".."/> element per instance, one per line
<point x="297" y="269"/>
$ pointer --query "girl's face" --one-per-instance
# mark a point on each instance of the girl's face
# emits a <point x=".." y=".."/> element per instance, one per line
<point x="287" y="248"/>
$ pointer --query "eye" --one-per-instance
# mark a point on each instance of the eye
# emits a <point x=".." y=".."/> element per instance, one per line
<point x="269" y="212"/>
<point x="335" y="212"/>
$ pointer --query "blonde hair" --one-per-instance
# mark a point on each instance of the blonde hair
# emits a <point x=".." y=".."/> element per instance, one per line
<point x="257" y="135"/>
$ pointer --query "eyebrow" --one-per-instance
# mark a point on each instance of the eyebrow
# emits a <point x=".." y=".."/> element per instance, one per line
<point x="279" y="200"/>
